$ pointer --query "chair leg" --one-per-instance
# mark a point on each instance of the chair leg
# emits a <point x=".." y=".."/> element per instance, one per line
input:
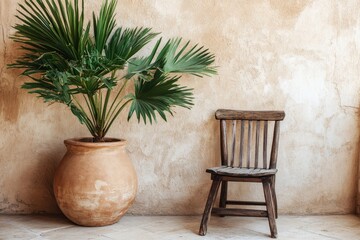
<point x="223" y="195"/>
<point x="208" y="207"/>
<point x="274" y="196"/>
<point x="270" y="206"/>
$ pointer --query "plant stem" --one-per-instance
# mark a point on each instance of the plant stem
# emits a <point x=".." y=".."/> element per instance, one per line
<point x="117" y="114"/>
<point x="90" y="109"/>
<point x="107" y="97"/>
<point x="116" y="97"/>
<point x="86" y="119"/>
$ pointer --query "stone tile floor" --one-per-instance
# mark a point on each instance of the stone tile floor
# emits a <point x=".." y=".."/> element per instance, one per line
<point x="181" y="227"/>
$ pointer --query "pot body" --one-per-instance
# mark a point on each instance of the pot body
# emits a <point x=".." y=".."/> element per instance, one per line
<point x="95" y="183"/>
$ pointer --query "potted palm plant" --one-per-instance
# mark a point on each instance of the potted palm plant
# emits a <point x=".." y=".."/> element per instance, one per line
<point x="88" y="66"/>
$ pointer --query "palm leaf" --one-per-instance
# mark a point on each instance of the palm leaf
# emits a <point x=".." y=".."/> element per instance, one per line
<point x="196" y="61"/>
<point x="158" y="95"/>
<point x="49" y="26"/>
<point x="104" y="24"/>
<point x="143" y="65"/>
<point x="125" y="43"/>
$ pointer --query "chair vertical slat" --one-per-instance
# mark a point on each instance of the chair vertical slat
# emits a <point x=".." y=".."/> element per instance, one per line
<point x="265" y="144"/>
<point x="241" y="142"/>
<point x="275" y="143"/>
<point x="257" y="144"/>
<point x="224" y="151"/>
<point x="233" y="143"/>
<point x="249" y="144"/>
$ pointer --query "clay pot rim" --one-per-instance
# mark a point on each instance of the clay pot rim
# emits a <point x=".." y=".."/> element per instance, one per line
<point x="82" y="142"/>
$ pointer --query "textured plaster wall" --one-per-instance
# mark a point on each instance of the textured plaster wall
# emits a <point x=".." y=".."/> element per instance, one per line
<point x="301" y="56"/>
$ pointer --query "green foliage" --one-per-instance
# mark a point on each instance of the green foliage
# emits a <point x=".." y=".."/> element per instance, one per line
<point x="67" y="64"/>
<point x="158" y="94"/>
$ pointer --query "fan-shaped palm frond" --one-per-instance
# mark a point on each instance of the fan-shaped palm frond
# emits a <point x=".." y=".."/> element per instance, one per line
<point x="104" y="24"/>
<point x="49" y="26"/>
<point x="196" y="61"/>
<point x="125" y="43"/>
<point x="159" y="95"/>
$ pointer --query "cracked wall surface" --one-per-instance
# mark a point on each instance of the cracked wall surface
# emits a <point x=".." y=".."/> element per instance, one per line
<point x="302" y="57"/>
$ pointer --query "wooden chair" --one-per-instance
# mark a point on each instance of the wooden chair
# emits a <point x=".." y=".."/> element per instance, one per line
<point x="241" y="147"/>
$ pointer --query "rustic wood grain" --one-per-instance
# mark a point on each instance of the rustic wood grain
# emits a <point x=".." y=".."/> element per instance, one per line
<point x="241" y="172"/>
<point x="258" y="124"/>
<point x="275" y="144"/>
<point x="257" y="139"/>
<point x="265" y="144"/>
<point x="233" y="143"/>
<point x="241" y="143"/>
<point x="248" y="145"/>
<point x="226" y="114"/>
<point x="239" y="212"/>
<point x="223" y="194"/>
<point x="270" y="207"/>
<point x="209" y="204"/>
<point x="223" y="139"/>
<point x="273" y="192"/>
<point x="231" y="202"/>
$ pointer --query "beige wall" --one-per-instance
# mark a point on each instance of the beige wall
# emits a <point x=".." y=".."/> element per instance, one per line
<point x="300" y="56"/>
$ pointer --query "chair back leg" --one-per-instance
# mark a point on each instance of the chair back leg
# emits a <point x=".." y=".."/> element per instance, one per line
<point x="223" y="195"/>
<point x="274" y="196"/>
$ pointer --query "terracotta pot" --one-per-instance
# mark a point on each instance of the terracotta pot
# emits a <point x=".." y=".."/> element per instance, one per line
<point x="95" y="183"/>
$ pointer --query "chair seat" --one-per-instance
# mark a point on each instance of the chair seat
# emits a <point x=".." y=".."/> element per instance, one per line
<point x="241" y="172"/>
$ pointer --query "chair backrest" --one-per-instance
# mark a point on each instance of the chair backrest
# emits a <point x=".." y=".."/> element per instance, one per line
<point x="245" y="135"/>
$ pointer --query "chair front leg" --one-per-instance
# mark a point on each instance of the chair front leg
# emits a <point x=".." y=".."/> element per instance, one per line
<point x="209" y="204"/>
<point x="270" y="206"/>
